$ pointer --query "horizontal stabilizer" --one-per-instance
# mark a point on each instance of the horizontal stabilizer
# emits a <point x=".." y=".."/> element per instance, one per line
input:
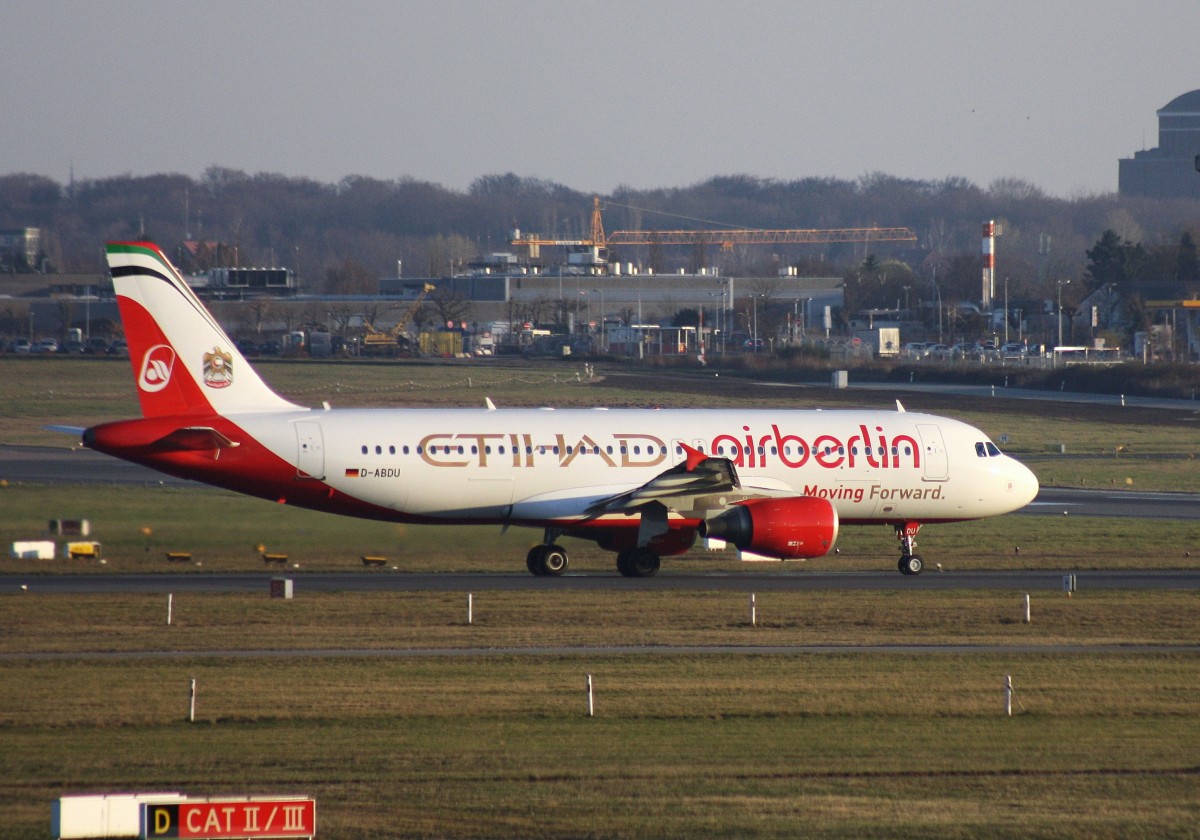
<point x="66" y="430"/>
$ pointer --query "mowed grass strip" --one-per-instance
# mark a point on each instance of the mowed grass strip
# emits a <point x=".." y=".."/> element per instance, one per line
<point x="222" y="623"/>
<point x="728" y="746"/>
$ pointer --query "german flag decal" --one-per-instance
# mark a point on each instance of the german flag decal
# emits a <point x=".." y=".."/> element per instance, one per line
<point x="354" y="473"/>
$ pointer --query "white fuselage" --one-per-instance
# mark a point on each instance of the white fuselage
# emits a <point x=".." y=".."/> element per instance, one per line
<point x="541" y="465"/>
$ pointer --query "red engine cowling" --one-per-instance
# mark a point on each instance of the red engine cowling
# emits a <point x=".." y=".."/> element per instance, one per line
<point x="789" y="528"/>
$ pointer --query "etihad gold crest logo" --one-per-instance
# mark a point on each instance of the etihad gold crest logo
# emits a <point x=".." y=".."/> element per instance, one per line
<point x="218" y="369"/>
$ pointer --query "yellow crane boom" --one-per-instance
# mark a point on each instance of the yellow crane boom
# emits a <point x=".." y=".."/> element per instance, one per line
<point x="390" y="338"/>
<point x="726" y="238"/>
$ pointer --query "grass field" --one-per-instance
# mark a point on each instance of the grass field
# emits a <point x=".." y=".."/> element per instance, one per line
<point x="340" y="695"/>
<point x="820" y="744"/>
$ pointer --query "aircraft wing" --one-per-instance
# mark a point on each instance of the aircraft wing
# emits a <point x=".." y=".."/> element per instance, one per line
<point x="699" y="475"/>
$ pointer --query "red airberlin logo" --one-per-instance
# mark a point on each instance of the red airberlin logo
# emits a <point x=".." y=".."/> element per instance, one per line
<point x="157" y="365"/>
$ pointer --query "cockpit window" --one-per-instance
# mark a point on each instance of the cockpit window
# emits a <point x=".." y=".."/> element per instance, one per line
<point x="986" y="449"/>
<point x="980" y="449"/>
<point x="992" y="449"/>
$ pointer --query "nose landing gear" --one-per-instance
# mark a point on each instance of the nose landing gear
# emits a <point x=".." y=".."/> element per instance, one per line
<point x="910" y="563"/>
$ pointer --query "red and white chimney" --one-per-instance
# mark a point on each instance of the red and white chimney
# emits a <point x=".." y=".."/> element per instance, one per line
<point x="989" y="266"/>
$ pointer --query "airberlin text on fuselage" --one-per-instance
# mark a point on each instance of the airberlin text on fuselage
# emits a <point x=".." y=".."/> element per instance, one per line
<point x="749" y="449"/>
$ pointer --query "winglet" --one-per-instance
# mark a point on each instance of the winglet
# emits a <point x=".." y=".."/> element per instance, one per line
<point x="694" y="457"/>
<point x="899" y="408"/>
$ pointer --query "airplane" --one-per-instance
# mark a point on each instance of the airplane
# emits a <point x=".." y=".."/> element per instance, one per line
<point x="643" y="483"/>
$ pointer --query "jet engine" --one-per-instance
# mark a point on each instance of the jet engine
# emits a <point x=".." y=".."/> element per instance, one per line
<point x="788" y="528"/>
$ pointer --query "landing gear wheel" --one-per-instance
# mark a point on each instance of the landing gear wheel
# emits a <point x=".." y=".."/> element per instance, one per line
<point x="547" y="560"/>
<point x="911" y="564"/>
<point x="554" y="560"/>
<point x="535" y="560"/>
<point x="640" y="562"/>
<point x="623" y="562"/>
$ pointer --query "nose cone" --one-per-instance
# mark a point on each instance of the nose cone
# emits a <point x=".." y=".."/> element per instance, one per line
<point x="1022" y="484"/>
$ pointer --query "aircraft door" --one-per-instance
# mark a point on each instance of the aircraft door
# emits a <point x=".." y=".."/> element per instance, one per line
<point x="310" y="444"/>
<point x="933" y="452"/>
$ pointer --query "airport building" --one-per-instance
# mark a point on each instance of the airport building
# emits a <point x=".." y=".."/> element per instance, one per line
<point x="1170" y="169"/>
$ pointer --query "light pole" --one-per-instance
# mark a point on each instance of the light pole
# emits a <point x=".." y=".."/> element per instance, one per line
<point x="754" y="309"/>
<point x="1060" y="283"/>
<point x="1006" y="310"/>
<point x="937" y="290"/>
<point x="603" y="330"/>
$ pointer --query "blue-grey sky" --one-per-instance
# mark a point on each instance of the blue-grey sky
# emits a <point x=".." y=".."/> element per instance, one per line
<point x="593" y="95"/>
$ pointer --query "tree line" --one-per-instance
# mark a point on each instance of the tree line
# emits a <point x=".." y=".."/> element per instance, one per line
<point x="342" y="236"/>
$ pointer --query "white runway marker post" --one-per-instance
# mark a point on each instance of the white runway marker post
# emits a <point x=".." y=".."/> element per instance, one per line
<point x="1008" y="694"/>
<point x="590" y="697"/>
<point x="170" y="606"/>
<point x="192" y="702"/>
<point x="753" y="610"/>
<point x="1027" y="609"/>
<point x="470" y="608"/>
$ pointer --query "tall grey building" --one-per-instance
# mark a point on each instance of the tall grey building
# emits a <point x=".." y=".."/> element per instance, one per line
<point x="1168" y="171"/>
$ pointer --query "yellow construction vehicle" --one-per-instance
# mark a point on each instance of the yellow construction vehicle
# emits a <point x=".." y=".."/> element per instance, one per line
<point x="390" y="342"/>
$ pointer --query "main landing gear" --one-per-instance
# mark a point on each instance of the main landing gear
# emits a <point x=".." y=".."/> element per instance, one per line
<point x="639" y="561"/>
<point x="910" y="563"/>
<point x="547" y="560"/>
<point x="551" y="560"/>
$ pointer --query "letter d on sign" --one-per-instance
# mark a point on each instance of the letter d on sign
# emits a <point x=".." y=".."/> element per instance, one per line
<point x="160" y="821"/>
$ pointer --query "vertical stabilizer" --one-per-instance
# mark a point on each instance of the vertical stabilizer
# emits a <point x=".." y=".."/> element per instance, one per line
<point x="183" y="362"/>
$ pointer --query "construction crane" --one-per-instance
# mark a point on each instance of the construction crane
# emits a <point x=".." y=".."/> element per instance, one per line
<point x="598" y="243"/>
<point x="376" y="340"/>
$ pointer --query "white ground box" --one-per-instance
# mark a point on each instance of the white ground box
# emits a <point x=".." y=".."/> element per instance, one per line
<point x="103" y="815"/>
<point x="33" y="550"/>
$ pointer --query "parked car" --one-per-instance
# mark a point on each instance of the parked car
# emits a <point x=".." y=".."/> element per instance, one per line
<point x="1013" y="350"/>
<point x="754" y="345"/>
<point x="96" y="346"/>
<point x="118" y="348"/>
<point x="45" y="345"/>
<point x="71" y="346"/>
<point x="19" y="345"/>
<point x="916" y="350"/>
